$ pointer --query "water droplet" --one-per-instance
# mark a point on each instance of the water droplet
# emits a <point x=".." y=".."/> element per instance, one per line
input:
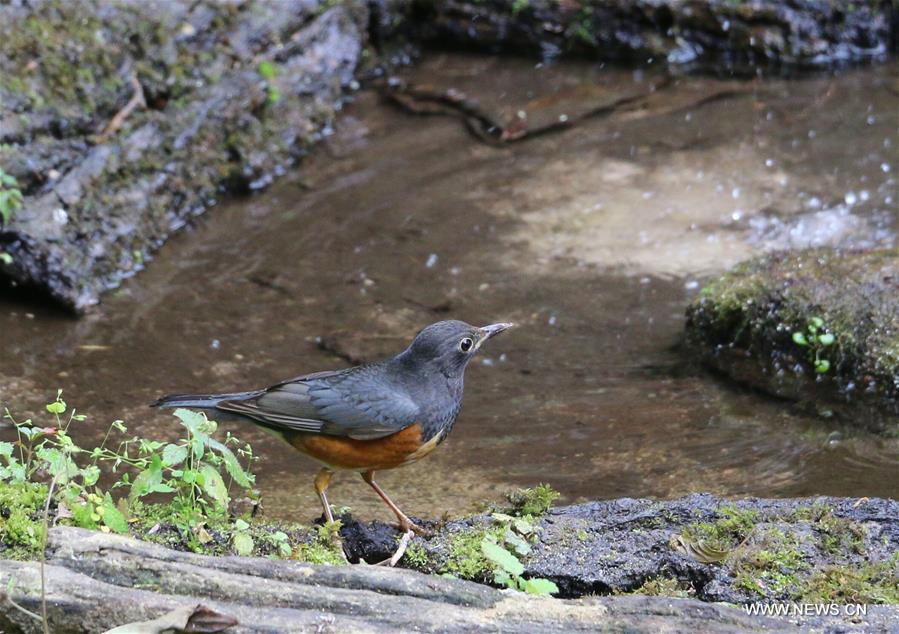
<point x="769" y="162"/>
<point x="215" y="344"/>
<point x="885" y="167"/>
<point x="850" y="198"/>
<point x="735" y="192"/>
<point x="864" y="194"/>
<point x="552" y="320"/>
<point x="871" y="120"/>
<point x="432" y="261"/>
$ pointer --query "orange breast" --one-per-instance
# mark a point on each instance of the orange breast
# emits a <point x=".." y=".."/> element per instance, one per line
<point x="389" y="452"/>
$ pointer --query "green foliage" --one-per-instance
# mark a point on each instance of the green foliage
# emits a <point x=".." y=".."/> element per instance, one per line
<point x="534" y="502"/>
<point x="815" y="339"/>
<point x="10" y="198"/>
<point x="520" y="5"/>
<point x="191" y="478"/>
<point x="269" y="70"/>
<point x="21" y="531"/>
<point x="730" y="529"/>
<point x="325" y="548"/>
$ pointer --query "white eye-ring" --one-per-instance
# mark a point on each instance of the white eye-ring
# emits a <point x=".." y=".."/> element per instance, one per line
<point x="466" y="344"/>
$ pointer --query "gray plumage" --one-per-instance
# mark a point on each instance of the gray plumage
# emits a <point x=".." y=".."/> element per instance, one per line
<point x="423" y="384"/>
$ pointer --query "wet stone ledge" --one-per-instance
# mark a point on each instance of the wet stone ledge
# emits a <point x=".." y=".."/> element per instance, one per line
<point x="819" y="326"/>
<point x="711" y="35"/>
<point x="631" y="565"/>
<point x="122" y="120"/>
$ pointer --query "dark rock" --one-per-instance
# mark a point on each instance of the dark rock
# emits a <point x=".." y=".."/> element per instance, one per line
<point x="712" y="35"/>
<point x="744" y="324"/>
<point x="96" y="205"/>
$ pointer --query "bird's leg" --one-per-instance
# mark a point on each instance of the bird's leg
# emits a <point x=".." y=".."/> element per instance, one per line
<point x="405" y="524"/>
<point x="322" y="479"/>
<point x="321" y="485"/>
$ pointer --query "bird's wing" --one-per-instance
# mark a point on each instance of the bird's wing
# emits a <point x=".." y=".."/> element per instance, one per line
<point x="356" y="403"/>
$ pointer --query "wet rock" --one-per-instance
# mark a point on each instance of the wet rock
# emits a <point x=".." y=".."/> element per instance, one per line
<point x="85" y="569"/>
<point x="714" y="35"/>
<point x="819" y="326"/>
<point x="821" y="550"/>
<point x="234" y="93"/>
<point x="805" y="550"/>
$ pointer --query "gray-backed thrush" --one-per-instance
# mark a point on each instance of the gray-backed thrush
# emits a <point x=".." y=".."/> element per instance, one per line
<point x="369" y="417"/>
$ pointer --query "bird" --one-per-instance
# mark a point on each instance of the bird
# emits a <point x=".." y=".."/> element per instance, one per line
<point x="365" y="418"/>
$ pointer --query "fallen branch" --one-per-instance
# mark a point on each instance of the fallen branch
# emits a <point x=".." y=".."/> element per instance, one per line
<point x="137" y="99"/>
<point x="482" y="125"/>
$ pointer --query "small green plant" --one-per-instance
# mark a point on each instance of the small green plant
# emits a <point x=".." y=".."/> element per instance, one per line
<point x="533" y="502"/>
<point x="508" y="571"/>
<point x="269" y="70"/>
<point x="815" y="339"/>
<point x="10" y="196"/>
<point x="519" y="5"/>
<point x="189" y="474"/>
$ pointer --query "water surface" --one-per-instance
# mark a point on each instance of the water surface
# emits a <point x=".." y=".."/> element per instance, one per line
<point x="593" y="240"/>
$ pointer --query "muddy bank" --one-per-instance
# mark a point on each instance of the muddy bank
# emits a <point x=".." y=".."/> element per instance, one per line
<point x="120" y="122"/>
<point x="818" y="326"/>
<point x="661" y="562"/>
<point x="715" y="35"/>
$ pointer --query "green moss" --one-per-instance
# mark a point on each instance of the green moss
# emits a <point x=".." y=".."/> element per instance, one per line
<point x="22" y="526"/>
<point x="666" y="587"/>
<point x="871" y="583"/>
<point x="464" y="557"/>
<point x="772" y="564"/>
<point x="728" y="531"/>
<point x="535" y="501"/>
<point x="416" y="556"/>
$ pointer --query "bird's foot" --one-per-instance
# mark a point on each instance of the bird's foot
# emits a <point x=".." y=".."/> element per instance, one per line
<point x="408" y="526"/>
<point x="400" y="550"/>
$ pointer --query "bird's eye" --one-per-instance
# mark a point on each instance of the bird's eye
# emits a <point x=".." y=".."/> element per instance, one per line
<point x="466" y="344"/>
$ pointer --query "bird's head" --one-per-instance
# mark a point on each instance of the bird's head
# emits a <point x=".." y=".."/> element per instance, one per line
<point x="451" y="344"/>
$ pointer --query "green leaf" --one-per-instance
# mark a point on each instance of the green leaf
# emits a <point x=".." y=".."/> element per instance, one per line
<point x="268" y="69"/>
<point x="90" y="474"/>
<point x="146" y="481"/>
<point x="822" y="366"/>
<point x="799" y="339"/>
<point x="241" y="525"/>
<point x="6" y="258"/>
<point x="173" y="455"/>
<point x="503" y="578"/>
<point x="502" y="558"/>
<point x="241" y="477"/>
<point x="113" y="517"/>
<point x="214" y="486"/>
<point x="815" y="323"/>
<point x="6" y="449"/>
<point x="243" y="544"/>
<point x="540" y="586"/>
<point x="57" y="407"/>
<point x="826" y="339"/>
<point x="519" y="543"/>
<point x="193" y="421"/>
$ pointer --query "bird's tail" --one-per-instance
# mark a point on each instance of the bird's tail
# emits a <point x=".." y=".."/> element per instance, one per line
<point x="203" y="401"/>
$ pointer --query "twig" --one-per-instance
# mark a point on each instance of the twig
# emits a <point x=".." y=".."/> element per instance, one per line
<point x="400" y="551"/>
<point x="44" y="620"/>
<point x="137" y="99"/>
<point x="482" y="125"/>
<point x="24" y="610"/>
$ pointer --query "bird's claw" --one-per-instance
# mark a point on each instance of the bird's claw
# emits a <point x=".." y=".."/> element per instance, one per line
<point x="400" y="550"/>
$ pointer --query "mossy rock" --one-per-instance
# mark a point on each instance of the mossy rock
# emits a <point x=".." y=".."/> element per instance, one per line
<point x="819" y="326"/>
